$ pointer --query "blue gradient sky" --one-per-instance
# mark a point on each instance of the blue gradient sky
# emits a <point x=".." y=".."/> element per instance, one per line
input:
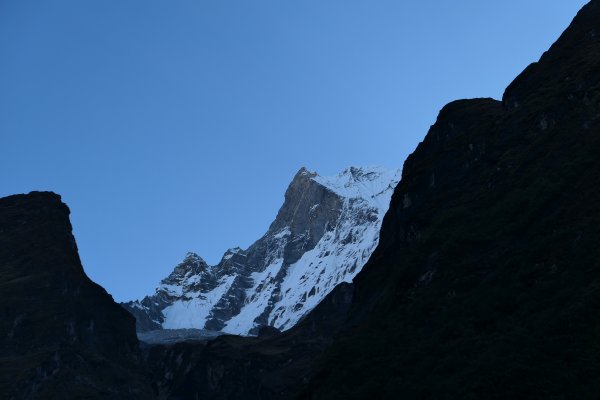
<point x="170" y="126"/>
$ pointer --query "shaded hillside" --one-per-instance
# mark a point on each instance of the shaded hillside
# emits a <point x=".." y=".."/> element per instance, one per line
<point x="61" y="335"/>
<point x="486" y="281"/>
<point x="271" y="366"/>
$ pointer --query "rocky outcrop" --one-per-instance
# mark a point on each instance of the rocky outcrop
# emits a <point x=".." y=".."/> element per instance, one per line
<point x="322" y="235"/>
<point x="61" y="335"/>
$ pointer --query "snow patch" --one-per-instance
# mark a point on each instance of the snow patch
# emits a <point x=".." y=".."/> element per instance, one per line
<point x="193" y="312"/>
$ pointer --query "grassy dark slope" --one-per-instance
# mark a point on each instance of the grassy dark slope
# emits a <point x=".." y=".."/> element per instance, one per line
<point x="61" y="335"/>
<point x="486" y="283"/>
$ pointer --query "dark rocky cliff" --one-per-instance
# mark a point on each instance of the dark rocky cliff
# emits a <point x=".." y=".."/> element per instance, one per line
<point x="486" y="282"/>
<point x="61" y="335"/>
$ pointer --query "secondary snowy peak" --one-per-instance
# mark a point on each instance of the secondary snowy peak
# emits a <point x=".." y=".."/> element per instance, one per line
<point x="186" y="274"/>
<point x="322" y="235"/>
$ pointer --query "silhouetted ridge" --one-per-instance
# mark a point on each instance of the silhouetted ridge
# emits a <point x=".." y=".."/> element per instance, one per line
<point x="61" y="335"/>
<point x="566" y="68"/>
<point x="484" y="283"/>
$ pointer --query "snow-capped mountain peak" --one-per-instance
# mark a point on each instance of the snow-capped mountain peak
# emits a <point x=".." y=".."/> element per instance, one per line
<point x="322" y="235"/>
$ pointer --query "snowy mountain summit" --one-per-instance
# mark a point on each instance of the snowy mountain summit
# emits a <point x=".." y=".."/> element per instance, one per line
<point x="323" y="234"/>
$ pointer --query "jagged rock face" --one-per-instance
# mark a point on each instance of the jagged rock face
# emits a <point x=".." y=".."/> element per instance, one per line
<point x="61" y="335"/>
<point x="322" y="235"/>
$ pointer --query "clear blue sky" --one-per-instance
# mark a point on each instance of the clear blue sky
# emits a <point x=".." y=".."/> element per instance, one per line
<point x="170" y="126"/>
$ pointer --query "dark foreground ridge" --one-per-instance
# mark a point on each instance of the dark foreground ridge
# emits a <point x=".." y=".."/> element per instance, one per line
<point x="485" y="284"/>
<point x="61" y="335"/>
